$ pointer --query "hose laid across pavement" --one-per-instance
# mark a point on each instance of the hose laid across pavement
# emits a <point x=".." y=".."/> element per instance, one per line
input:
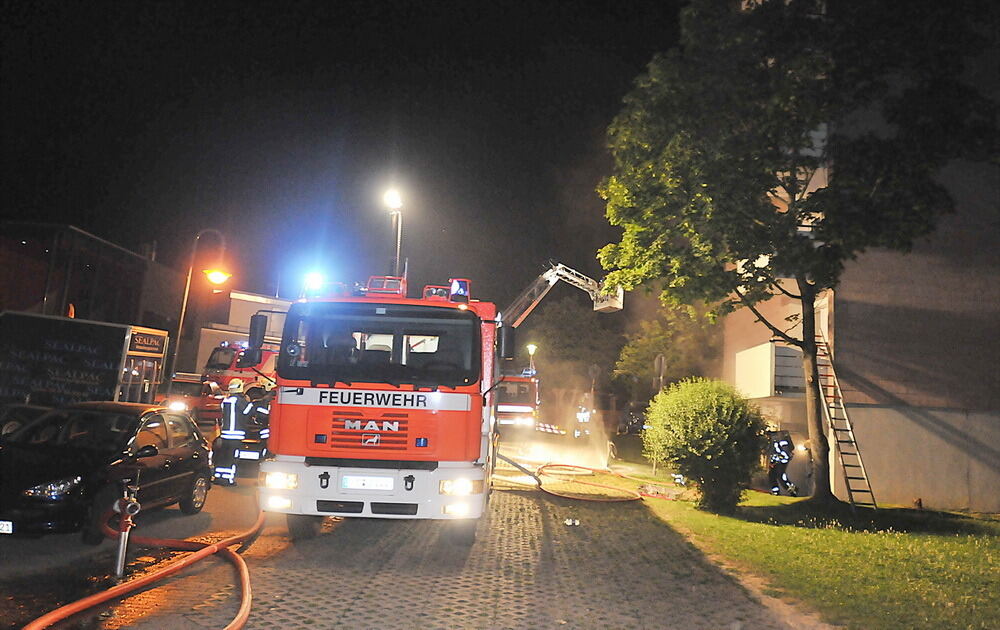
<point x="201" y="550"/>
<point x="633" y="495"/>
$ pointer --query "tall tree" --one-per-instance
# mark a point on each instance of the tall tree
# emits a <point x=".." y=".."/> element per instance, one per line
<point x="782" y="138"/>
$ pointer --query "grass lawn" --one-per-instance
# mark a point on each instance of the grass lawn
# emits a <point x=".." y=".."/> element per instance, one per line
<point x="896" y="568"/>
<point x="891" y="568"/>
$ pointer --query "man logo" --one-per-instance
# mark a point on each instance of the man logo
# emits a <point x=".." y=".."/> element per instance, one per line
<point x="370" y="439"/>
<point x="371" y="425"/>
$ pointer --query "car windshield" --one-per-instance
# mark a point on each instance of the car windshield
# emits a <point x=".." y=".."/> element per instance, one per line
<point x="185" y="388"/>
<point x="220" y="359"/>
<point x="83" y="429"/>
<point x="380" y="343"/>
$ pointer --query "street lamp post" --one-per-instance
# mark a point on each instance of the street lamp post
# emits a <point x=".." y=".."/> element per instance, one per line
<point x="394" y="201"/>
<point x="215" y="276"/>
<point x="531" y="357"/>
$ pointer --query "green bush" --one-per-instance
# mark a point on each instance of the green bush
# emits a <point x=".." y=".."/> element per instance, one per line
<point x="710" y="434"/>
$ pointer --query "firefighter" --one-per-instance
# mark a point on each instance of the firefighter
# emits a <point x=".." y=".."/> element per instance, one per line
<point x="232" y="432"/>
<point x="257" y="413"/>
<point x="780" y="453"/>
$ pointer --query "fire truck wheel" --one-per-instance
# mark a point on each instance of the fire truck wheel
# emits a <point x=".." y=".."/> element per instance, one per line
<point x="461" y="533"/>
<point x="91" y="533"/>
<point x="194" y="499"/>
<point x="303" y="526"/>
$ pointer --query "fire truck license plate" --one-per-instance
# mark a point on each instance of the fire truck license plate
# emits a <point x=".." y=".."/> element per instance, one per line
<point x="359" y="482"/>
<point x="6" y="527"/>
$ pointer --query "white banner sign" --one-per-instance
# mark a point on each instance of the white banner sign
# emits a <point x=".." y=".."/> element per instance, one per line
<point x="389" y="399"/>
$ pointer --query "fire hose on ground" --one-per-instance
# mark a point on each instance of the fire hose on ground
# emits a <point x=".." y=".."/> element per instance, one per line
<point x="201" y="551"/>
<point x="632" y="495"/>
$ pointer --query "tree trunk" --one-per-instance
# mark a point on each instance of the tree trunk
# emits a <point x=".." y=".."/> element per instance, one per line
<point x="822" y="489"/>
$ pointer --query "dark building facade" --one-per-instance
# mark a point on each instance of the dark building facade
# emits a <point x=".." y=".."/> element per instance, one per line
<point x="64" y="271"/>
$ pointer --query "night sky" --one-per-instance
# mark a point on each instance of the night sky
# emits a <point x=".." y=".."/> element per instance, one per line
<point x="281" y="124"/>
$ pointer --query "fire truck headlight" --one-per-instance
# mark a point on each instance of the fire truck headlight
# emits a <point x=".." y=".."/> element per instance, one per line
<point x="460" y="487"/>
<point x="277" y="502"/>
<point x="177" y="406"/>
<point x="457" y="509"/>
<point x="279" y="480"/>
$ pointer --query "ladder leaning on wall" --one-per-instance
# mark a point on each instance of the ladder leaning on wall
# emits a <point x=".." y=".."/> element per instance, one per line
<point x="859" y="489"/>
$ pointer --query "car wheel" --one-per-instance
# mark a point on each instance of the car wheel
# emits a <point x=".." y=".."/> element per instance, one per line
<point x="93" y="532"/>
<point x="194" y="499"/>
<point x="461" y="533"/>
<point x="303" y="526"/>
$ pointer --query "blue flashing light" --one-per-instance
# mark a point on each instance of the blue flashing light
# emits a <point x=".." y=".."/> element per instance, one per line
<point x="314" y="281"/>
<point x="459" y="290"/>
<point x="421" y="443"/>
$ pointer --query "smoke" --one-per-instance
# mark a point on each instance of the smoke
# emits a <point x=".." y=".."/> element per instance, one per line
<point x="574" y="421"/>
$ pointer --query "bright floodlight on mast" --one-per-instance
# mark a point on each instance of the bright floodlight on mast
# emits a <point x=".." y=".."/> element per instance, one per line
<point x="394" y="201"/>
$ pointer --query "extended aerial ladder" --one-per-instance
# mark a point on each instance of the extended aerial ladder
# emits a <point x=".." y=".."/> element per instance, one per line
<point x="526" y="302"/>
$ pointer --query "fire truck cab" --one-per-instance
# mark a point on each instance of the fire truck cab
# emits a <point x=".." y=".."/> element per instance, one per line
<point x="518" y="402"/>
<point x="385" y="406"/>
<point x="223" y="366"/>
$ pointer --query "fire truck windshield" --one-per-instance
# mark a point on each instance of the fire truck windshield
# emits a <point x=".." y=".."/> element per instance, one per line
<point x="380" y="343"/>
<point x="515" y="392"/>
<point x="220" y="359"/>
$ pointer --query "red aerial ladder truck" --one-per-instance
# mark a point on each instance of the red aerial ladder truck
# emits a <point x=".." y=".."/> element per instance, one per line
<point x="518" y="401"/>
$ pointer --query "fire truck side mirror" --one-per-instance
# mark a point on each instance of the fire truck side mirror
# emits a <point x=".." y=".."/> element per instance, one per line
<point x="507" y="342"/>
<point x="252" y="355"/>
<point x="249" y="358"/>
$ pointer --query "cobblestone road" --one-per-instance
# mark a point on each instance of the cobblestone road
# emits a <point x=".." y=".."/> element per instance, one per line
<point x="620" y="568"/>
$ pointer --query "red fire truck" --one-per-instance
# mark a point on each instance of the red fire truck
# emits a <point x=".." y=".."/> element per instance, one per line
<point x="385" y="406"/>
<point x="517" y="407"/>
<point x="223" y="366"/>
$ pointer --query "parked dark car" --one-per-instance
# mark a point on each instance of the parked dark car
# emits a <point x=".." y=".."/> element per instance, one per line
<point x="13" y="416"/>
<point x="62" y="472"/>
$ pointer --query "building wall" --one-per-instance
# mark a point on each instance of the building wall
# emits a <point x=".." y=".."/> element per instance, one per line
<point x="162" y="291"/>
<point x="740" y="332"/>
<point x="62" y="270"/>
<point x="947" y="458"/>
<point x="917" y="346"/>
<point x="24" y="266"/>
<point x="924" y="328"/>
